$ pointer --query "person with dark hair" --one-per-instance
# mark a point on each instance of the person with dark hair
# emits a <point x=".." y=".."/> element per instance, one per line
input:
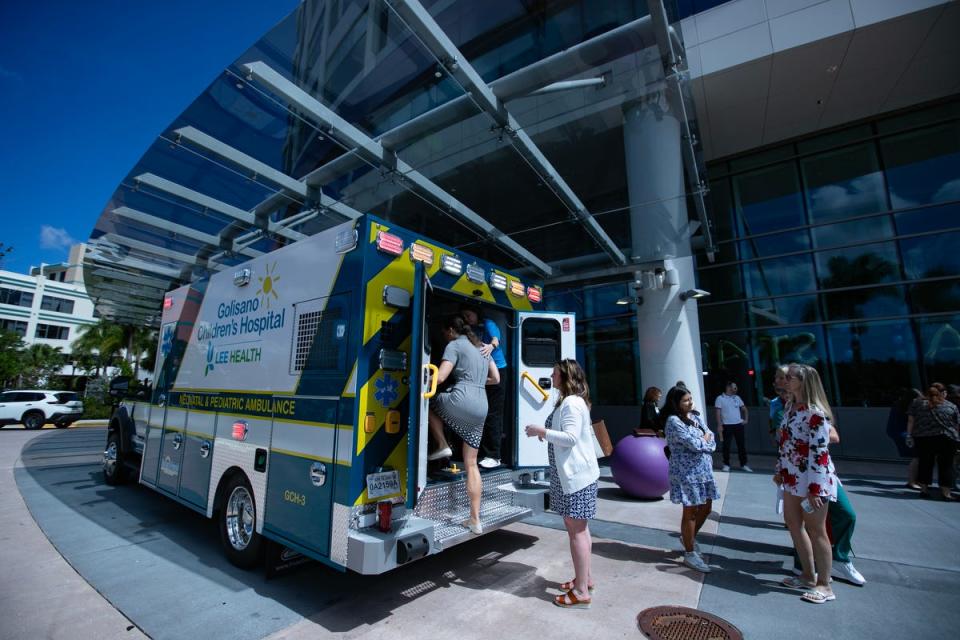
<point x="463" y="406"/>
<point x="691" y="470"/>
<point x="897" y="431"/>
<point x="650" y="411"/>
<point x="809" y="481"/>
<point x="779" y="403"/>
<point x="491" y="345"/>
<point x="732" y="417"/>
<point x="574" y="474"/>
<point x="932" y="426"/>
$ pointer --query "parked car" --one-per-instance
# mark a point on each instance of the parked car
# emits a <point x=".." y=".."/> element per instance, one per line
<point x="34" y="408"/>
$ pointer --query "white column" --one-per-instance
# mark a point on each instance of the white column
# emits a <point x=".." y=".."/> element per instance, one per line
<point x="668" y="328"/>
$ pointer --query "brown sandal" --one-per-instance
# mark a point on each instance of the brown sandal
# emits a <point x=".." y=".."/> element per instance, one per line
<point x="569" y="600"/>
<point x="569" y="585"/>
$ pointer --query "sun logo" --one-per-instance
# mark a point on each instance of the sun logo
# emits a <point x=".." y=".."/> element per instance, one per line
<point x="268" y="284"/>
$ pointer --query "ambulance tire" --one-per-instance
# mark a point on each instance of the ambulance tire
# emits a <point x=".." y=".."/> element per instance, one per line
<point x="238" y="523"/>
<point x="114" y="470"/>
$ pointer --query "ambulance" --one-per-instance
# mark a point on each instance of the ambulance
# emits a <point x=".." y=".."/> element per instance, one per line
<point x="291" y="396"/>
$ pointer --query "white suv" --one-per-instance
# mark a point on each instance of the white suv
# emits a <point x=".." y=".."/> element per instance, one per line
<point x="35" y="408"/>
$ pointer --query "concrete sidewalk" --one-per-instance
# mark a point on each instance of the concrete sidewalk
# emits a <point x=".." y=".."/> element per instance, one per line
<point x="161" y="566"/>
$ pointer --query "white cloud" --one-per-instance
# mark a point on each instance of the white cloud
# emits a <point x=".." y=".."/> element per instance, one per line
<point x="55" y="238"/>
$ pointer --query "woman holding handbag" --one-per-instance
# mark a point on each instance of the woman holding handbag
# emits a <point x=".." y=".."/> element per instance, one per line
<point x="574" y="474"/>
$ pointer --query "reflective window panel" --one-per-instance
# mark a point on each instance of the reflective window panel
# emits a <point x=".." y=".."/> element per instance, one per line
<point x="843" y="183"/>
<point x="769" y="199"/>
<point x="873" y="361"/>
<point x="931" y="256"/>
<point x="940" y="347"/>
<point x="923" y="166"/>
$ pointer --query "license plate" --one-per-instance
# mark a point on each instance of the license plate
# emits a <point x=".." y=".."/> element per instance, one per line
<point x="385" y="483"/>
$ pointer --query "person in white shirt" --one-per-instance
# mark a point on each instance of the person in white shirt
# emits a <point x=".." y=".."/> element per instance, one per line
<point x="731" y="417"/>
<point x="574" y="474"/>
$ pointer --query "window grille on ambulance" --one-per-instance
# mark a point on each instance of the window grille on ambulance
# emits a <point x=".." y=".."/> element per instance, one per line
<point x="318" y="340"/>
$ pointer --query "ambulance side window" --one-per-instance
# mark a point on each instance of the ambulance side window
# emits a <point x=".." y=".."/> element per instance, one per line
<point x="540" y="342"/>
<point x="321" y="335"/>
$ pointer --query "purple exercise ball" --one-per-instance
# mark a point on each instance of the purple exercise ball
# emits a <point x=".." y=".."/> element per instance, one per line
<point x="640" y="467"/>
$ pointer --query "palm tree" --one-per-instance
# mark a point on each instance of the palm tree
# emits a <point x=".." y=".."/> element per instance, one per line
<point x="40" y="362"/>
<point x="103" y="341"/>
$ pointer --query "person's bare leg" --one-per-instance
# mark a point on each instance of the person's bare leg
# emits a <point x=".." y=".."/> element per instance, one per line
<point x="436" y="430"/>
<point x="474" y="482"/>
<point x="688" y="527"/>
<point x="793" y="518"/>
<point x="580" y="550"/>
<point x="815" y="526"/>
<point x="703" y="512"/>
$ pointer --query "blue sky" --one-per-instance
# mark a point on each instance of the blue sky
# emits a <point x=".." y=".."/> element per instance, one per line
<point x="85" y="87"/>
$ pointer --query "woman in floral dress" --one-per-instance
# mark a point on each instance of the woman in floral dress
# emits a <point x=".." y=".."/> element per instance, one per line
<point x="691" y="470"/>
<point x="809" y="481"/>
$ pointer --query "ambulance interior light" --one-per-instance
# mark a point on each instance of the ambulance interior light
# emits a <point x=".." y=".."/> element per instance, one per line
<point x="451" y="264"/>
<point x="389" y="243"/>
<point x="498" y="282"/>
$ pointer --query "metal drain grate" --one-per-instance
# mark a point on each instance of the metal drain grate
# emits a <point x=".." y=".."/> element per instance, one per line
<point x="681" y="623"/>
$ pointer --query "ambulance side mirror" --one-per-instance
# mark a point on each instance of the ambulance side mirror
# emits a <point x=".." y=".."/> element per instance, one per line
<point x="119" y="387"/>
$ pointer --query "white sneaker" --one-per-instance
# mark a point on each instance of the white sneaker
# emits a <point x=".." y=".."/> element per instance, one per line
<point x="693" y="560"/>
<point x="440" y="454"/>
<point x="726" y="467"/>
<point x="475" y="528"/>
<point x="696" y="547"/>
<point x="489" y="463"/>
<point x="846" y="571"/>
<point x="746" y="468"/>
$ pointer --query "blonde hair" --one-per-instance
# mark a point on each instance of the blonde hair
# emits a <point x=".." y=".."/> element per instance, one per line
<point x="811" y="388"/>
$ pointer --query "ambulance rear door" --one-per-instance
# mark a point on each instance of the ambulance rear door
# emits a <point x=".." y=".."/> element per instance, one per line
<point x="544" y="339"/>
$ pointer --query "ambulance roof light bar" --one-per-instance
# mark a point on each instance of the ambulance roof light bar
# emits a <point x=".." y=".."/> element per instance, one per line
<point x="421" y="253"/>
<point x="498" y="282"/>
<point x="373" y="153"/>
<point x="389" y="243"/>
<point x="422" y="24"/>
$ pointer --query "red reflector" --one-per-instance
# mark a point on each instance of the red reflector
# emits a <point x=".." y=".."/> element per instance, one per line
<point x="389" y="243"/>
<point x="566" y="324"/>
<point x="167" y="303"/>
<point x="240" y="430"/>
<point x="750" y="372"/>
<point x="384" y="514"/>
<point x="534" y="294"/>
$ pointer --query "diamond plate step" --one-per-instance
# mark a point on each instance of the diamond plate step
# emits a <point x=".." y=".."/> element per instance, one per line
<point x="446" y="504"/>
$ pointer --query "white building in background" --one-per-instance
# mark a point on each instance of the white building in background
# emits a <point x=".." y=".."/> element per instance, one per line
<point x="48" y="306"/>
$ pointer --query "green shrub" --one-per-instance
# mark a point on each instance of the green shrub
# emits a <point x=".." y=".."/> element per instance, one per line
<point x="95" y="408"/>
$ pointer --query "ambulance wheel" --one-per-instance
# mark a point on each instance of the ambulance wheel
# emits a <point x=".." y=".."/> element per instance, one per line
<point x="238" y="524"/>
<point x="114" y="471"/>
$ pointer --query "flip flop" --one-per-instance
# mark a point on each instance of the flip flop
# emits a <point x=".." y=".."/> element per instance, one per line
<point x="568" y="586"/>
<point x="569" y="600"/>
<point x="817" y="597"/>
<point x="793" y="582"/>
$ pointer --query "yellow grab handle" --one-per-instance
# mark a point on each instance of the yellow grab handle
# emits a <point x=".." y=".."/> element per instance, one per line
<point x="527" y="376"/>
<point x="433" y="380"/>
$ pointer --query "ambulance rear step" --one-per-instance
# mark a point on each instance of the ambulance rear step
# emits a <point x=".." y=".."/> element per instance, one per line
<point x="504" y="501"/>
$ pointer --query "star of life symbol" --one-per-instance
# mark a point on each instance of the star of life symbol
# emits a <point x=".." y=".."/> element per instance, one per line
<point x="387" y="390"/>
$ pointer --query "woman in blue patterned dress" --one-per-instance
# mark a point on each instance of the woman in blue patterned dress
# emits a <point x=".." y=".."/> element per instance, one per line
<point x="574" y="474"/>
<point x="691" y="470"/>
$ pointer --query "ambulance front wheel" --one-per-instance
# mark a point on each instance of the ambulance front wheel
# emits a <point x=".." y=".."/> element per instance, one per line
<point x="114" y="471"/>
<point x="238" y="524"/>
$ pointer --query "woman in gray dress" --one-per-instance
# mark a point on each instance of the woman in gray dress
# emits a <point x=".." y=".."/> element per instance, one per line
<point x="463" y="406"/>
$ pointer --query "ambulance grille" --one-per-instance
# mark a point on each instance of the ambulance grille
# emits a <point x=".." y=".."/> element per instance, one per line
<point x="447" y="504"/>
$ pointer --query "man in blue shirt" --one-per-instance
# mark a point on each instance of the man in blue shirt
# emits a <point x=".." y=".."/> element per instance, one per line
<point x="492" y="345"/>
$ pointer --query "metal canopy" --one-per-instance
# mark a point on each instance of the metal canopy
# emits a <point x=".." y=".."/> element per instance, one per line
<point x="372" y="152"/>
<point x="276" y="150"/>
<point x="455" y="63"/>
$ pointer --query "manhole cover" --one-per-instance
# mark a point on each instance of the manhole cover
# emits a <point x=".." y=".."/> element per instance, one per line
<point x="681" y="623"/>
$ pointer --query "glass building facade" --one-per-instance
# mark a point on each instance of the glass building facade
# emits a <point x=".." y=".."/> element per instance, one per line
<point x="841" y="251"/>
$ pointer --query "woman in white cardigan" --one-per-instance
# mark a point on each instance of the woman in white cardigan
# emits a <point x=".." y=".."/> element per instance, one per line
<point x="573" y="481"/>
